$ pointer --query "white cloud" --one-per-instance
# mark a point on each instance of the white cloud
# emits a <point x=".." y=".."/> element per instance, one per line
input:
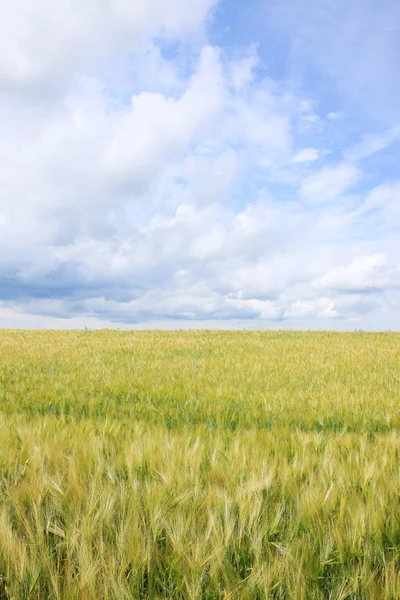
<point x="321" y="307"/>
<point x="41" y="41"/>
<point x="157" y="127"/>
<point x="371" y="144"/>
<point x="242" y="71"/>
<point x="219" y="172"/>
<point x="329" y="183"/>
<point x="147" y="181"/>
<point x="353" y="47"/>
<point x="364" y="273"/>
<point x="386" y="199"/>
<point x="306" y="155"/>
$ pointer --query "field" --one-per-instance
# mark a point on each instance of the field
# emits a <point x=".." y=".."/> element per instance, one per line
<point x="199" y="465"/>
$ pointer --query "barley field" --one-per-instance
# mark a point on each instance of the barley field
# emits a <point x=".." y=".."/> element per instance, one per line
<point x="199" y="465"/>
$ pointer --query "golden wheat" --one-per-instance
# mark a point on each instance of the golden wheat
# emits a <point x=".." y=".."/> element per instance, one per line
<point x="199" y="465"/>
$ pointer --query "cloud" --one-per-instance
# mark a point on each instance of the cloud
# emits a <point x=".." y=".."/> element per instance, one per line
<point x="321" y="307"/>
<point x="242" y="71"/>
<point x="156" y="128"/>
<point x="149" y="176"/>
<point x="363" y="274"/>
<point x="220" y="172"/>
<point x="42" y="42"/>
<point x="371" y="144"/>
<point x="349" y="49"/>
<point x="306" y="155"/>
<point x="384" y="202"/>
<point x="329" y="183"/>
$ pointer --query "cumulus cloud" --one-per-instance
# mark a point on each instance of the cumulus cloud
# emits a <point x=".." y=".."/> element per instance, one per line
<point x="41" y="42"/>
<point x="321" y="307"/>
<point x="363" y="274"/>
<point x="148" y="176"/>
<point x="242" y="71"/>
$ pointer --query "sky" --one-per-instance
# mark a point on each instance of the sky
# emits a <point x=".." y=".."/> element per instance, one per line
<point x="213" y="163"/>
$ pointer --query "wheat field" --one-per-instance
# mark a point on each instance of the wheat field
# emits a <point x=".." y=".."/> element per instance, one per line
<point x="199" y="465"/>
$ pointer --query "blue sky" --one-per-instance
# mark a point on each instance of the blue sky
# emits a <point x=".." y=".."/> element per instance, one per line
<point x="213" y="163"/>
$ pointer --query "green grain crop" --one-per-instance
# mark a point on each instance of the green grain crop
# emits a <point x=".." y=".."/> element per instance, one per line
<point x="199" y="465"/>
